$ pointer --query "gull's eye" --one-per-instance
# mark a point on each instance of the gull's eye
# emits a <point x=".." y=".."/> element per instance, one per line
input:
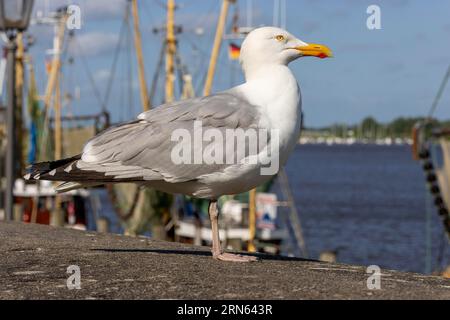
<point x="280" y="37"/>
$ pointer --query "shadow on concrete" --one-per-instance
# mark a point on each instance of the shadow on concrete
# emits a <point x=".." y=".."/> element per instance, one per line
<point x="260" y="256"/>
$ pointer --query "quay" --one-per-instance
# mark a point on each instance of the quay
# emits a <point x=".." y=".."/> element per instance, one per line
<point x="35" y="260"/>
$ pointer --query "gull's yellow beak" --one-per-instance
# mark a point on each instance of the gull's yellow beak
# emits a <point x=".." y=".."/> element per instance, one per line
<point x="315" y="50"/>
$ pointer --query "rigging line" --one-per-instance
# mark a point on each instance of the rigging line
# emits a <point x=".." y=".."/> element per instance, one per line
<point x="129" y="52"/>
<point x="205" y="16"/>
<point x="160" y="3"/>
<point x="439" y="94"/>
<point x="202" y="21"/>
<point x="47" y="112"/>
<point x="69" y="82"/>
<point x="201" y="84"/>
<point x="214" y="11"/>
<point x="195" y="47"/>
<point x="181" y="71"/>
<point x="122" y="98"/>
<point x="143" y="4"/>
<point x="114" y="63"/>
<point x="157" y="72"/>
<point x="179" y="63"/>
<point x="68" y="95"/>
<point x="89" y="74"/>
<point x="199" y="69"/>
<point x="221" y="63"/>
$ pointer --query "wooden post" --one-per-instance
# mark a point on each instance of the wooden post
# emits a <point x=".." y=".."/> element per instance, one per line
<point x="19" y="99"/>
<point x="57" y="214"/>
<point x="58" y="128"/>
<point x="252" y="220"/>
<point x="216" y="46"/>
<point x="170" y="50"/>
<point x="10" y="160"/>
<point x="140" y="58"/>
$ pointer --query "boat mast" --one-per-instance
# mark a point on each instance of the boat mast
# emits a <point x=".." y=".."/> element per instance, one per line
<point x="252" y="220"/>
<point x="57" y="216"/>
<point x="140" y="58"/>
<point x="19" y="96"/>
<point x="58" y="125"/>
<point x="170" y="50"/>
<point x="216" y="46"/>
<point x="60" y="27"/>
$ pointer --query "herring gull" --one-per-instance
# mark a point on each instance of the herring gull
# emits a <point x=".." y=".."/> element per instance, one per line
<point x="145" y="151"/>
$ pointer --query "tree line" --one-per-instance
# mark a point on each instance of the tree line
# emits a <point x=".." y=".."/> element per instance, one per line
<point x="370" y="128"/>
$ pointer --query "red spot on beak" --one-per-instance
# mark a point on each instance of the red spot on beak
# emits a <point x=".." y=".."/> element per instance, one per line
<point x="322" y="56"/>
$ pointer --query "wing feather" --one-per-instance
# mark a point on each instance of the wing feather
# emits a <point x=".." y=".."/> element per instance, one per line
<point x="141" y="149"/>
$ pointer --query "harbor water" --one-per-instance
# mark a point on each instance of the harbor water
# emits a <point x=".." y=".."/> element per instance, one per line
<point x="369" y="203"/>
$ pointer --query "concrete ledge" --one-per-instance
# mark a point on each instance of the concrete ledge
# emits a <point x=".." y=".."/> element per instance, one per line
<point x="34" y="261"/>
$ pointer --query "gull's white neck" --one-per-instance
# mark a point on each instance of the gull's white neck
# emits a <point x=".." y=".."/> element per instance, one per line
<point x="270" y="85"/>
<point x="275" y="90"/>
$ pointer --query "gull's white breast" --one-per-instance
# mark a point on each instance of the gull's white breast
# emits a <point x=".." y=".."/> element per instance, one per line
<point x="277" y="96"/>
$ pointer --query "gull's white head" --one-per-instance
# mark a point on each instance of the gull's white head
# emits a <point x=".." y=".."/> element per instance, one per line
<point x="270" y="45"/>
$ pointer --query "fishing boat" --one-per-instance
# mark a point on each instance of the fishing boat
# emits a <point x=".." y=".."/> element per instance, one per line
<point x="261" y="220"/>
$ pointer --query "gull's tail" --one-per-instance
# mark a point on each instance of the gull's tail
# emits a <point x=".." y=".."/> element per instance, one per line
<point x="61" y="170"/>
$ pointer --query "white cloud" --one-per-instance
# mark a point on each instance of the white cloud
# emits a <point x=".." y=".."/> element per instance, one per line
<point x="95" y="43"/>
<point x="102" y="75"/>
<point x="89" y="8"/>
<point x="104" y="8"/>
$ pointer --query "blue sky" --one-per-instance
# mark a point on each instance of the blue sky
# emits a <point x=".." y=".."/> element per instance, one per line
<point x="384" y="73"/>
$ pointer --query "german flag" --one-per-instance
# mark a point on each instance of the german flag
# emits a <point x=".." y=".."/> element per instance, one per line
<point x="234" y="51"/>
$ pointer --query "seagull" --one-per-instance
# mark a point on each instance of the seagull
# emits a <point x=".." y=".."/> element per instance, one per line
<point x="145" y="152"/>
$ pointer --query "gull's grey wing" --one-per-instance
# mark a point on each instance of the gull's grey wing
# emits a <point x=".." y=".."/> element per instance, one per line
<point x="227" y="109"/>
<point x="142" y="149"/>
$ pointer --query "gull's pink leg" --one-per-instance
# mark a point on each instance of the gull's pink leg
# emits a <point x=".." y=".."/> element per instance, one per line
<point x="216" y="250"/>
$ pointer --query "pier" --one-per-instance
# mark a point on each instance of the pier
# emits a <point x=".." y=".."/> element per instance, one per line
<point x="35" y="260"/>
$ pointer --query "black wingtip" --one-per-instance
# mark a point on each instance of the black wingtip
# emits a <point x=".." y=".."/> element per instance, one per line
<point x="35" y="170"/>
